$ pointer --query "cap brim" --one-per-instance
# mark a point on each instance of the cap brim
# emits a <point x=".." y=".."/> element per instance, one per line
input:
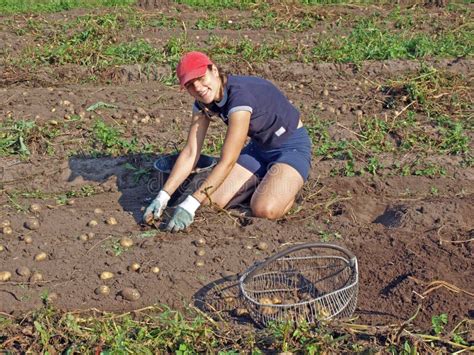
<point x="193" y="74"/>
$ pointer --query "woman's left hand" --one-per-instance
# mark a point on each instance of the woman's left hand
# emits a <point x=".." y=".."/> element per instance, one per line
<point x="183" y="215"/>
<point x="181" y="220"/>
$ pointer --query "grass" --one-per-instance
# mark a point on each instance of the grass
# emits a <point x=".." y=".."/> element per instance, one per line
<point x="372" y="40"/>
<point x="158" y="328"/>
<point x="38" y="6"/>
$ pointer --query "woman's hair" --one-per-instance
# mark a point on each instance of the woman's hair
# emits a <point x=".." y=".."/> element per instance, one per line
<point x="222" y="76"/>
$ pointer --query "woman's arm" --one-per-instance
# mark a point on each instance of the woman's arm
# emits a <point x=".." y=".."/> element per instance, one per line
<point x="189" y="155"/>
<point x="233" y="143"/>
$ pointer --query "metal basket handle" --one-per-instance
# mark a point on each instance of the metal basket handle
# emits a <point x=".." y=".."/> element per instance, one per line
<point x="258" y="266"/>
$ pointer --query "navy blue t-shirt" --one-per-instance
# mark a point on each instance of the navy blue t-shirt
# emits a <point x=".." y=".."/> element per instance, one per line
<point x="273" y="118"/>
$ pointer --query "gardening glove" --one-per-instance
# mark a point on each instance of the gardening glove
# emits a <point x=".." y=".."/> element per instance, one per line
<point x="183" y="215"/>
<point x="156" y="207"/>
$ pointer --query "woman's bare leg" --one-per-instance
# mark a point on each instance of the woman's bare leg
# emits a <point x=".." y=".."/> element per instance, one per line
<point x="239" y="183"/>
<point x="276" y="193"/>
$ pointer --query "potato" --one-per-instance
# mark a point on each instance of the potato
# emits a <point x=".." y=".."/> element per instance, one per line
<point x="155" y="269"/>
<point x="35" y="207"/>
<point x="70" y="202"/>
<point x="28" y="239"/>
<point x="36" y="277"/>
<point x="321" y="311"/>
<point x="32" y="224"/>
<point x="5" y="275"/>
<point x="262" y="246"/>
<point x="84" y="237"/>
<point x="106" y="275"/>
<point x="149" y="219"/>
<point x="229" y="299"/>
<point x="266" y="310"/>
<point x="91" y="235"/>
<point x="5" y="223"/>
<point x="7" y="230"/>
<point x="23" y="271"/>
<point x="199" y="263"/>
<point x="111" y="221"/>
<point x="200" y="252"/>
<point x="241" y="312"/>
<point x="41" y="256"/>
<point x="248" y="246"/>
<point x="200" y="242"/>
<point x="102" y="290"/>
<point x="92" y="223"/>
<point x="134" y="267"/>
<point x="130" y="294"/>
<point x="126" y="242"/>
<point x="2" y="248"/>
<point x="98" y="211"/>
<point x="276" y="300"/>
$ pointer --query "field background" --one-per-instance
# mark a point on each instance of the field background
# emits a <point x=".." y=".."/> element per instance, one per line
<point x="89" y="100"/>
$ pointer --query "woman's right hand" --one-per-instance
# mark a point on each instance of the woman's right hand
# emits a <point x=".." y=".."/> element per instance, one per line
<point x="157" y="206"/>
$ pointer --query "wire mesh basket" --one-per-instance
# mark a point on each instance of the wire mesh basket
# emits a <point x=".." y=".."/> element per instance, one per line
<point x="305" y="283"/>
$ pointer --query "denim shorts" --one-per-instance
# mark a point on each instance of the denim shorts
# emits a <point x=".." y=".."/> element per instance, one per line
<point x="295" y="151"/>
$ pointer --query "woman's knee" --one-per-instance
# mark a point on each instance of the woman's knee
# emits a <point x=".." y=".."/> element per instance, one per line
<point x="266" y="210"/>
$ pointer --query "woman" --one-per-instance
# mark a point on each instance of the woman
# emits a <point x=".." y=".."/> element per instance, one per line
<point x="272" y="167"/>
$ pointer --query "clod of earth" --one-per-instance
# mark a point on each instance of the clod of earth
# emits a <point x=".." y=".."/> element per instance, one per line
<point x="35" y="207"/>
<point x="5" y="223"/>
<point x="32" y="224"/>
<point x="92" y="223"/>
<point x="111" y="221"/>
<point x="5" y="275"/>
<point x="200" y="252"/>
<point x="248" y="246"/>
<point x="52" y="297"/>
<point x="98" y="211"/>
<point x="126" y="242"/>
<point x="2" y="248"/>
<point x="70" y="202"/>
<point x="130" y="294"/>
<point x="106" y="275"/>
<point x="23" y="271"/>
<point x="200" y="242"/>
<point x="199" y="263"/>
<point x="155" y="269"/>
<point x="134" y="267"/>
<point x="102" y="290"/>
<point x="262" y="246"/>
<point x="36" y="277"/>
<point x="7" y="230"/>
<point x="41" y="256"/>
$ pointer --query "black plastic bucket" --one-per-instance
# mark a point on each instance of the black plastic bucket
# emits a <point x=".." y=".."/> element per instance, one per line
<point x="164" y="165"/>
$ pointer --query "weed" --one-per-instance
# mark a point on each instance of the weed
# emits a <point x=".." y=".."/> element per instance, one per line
<point x="14" y="137"/>
<point x="438" y="322"/>
<point x="137" y="172"/>
<point x="373" y="165"/>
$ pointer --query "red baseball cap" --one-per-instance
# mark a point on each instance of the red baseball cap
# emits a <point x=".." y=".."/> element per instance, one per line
<point x="191" y="66"/>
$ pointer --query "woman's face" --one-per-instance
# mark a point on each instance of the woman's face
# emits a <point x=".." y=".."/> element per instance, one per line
<point x="206" y="89"/>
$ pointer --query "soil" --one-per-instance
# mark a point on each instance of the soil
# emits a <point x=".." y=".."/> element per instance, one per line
<point x="404" y="237"/>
